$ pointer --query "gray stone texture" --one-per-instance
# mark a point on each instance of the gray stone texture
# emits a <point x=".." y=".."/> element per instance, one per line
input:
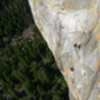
<point x="71" y="29"/>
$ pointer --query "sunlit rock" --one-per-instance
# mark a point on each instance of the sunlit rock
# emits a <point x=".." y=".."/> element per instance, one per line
<point x="71" y="29"/>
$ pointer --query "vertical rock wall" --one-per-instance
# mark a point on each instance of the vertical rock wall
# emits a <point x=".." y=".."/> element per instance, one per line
<point x="71" y="29"/>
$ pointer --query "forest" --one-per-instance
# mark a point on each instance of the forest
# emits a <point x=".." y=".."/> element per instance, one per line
<point x="28" y="70"/>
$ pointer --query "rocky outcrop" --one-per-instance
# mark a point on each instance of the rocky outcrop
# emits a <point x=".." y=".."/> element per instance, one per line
<point x="71" y="29"/>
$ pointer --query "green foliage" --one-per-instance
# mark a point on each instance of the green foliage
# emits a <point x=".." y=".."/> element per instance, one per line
<point x="13" y="15"/>
<point x="27" y="70"/>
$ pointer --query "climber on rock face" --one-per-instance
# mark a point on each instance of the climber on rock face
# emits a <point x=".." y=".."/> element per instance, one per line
<point x="71" y="29"/>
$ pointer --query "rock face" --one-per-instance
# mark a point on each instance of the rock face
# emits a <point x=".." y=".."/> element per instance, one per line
<point x="71" y="29"/>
